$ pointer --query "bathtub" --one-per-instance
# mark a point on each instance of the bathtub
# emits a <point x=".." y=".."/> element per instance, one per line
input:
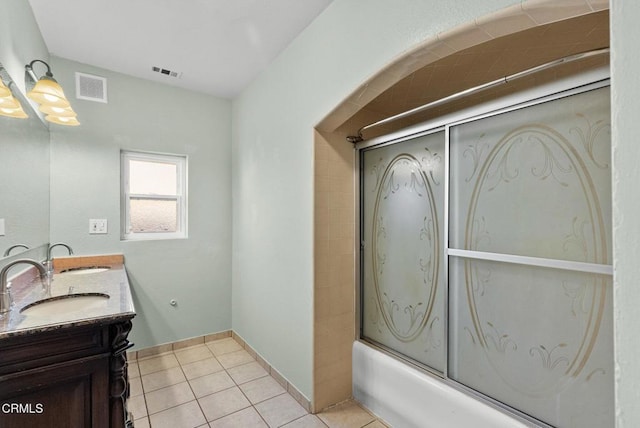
<point x="405" y="397"/>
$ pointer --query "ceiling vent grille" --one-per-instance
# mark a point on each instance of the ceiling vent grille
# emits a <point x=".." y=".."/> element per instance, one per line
<point x="166" y="72"/>
<point x="91" y="88"/>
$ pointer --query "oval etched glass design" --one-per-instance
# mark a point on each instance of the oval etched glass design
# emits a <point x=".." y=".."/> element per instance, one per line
<point x="402" y="262"/>
<point x="403" y="246"/>
<point x="535" y="182"/>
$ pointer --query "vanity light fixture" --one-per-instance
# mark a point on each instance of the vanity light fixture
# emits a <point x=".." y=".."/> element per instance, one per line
<point x="48" y="93"/>
<point x="9" y="105"/>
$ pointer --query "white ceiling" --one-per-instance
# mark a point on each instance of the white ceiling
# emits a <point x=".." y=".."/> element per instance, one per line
<point x="216" y="46"/>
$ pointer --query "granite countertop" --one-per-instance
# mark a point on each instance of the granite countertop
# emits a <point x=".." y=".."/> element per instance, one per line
<point x="112" y="282"/>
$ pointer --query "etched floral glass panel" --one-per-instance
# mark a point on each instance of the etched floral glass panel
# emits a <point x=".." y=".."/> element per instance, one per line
<point x="402" y="258"/>
<point x="537" y="339"/>
<point x="535" y="181"/>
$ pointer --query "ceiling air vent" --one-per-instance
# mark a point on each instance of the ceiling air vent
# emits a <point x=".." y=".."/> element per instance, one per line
<point x="166" y="72"/>
<point x="91" y="88"/>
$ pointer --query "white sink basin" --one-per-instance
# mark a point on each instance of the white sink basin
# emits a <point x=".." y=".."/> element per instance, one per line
<point x="86" y="270"/>
<point x="69" y="303"/>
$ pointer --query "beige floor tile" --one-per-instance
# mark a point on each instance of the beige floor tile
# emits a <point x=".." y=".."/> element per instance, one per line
<point x="135" y="387"/>
<point x="308" y="421"/>
<point x="233" y="359"/>
<point x="224" y="346"/>
<point x="280" y="410"/>
<point x="247" y="372"/>
<point x="161" y="379"/>
<point x="142" y="423"/>
<point x="374" y="424"/>
<point x="211" y="383"/>
<point x="156" y="364"/>
<point x="186" y="415"/>
<point x="162" y="399"/>
<point x="159" y="388"/>
<point x="201" y="368"/>
<point x="137" y="407"/>
<point x="261" y="389"/>
<point x="193" y="353"/>
<point x="223" y="403"/>
<point x="132" y="370"/>
<point x="247" y="418"/>
<point x="346" y="415"/>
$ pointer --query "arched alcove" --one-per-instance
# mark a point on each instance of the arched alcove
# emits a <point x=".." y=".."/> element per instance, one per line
<point x="508" y="41"/>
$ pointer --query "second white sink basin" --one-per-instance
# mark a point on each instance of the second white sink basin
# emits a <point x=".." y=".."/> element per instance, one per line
<point x="68" y="303"/>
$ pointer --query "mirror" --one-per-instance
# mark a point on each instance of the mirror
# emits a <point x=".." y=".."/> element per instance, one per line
<point x="24" y="177"/>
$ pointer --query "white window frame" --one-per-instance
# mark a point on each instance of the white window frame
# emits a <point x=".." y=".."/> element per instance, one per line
<point x="180" y="161"/>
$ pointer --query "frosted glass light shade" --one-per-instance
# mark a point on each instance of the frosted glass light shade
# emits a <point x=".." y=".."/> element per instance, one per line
<point x="68" y="121"/>
<point x="9" y="106"/>
<point x="9" y="102"/>
<point x="48" y="92"/>
<point x="4" y="91"/>
<point x="57" y="111"/>
<point x="17" y="113"/>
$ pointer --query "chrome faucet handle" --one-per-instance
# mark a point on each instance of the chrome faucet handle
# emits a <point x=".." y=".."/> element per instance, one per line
<point x="6" y="299"/>
<point x="59" y="244"/>
<point x="48" y="265"/>
<point x="5" y="284"/>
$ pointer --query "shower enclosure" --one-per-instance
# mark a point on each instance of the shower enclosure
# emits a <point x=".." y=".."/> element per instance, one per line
<point x="485" y="253"/>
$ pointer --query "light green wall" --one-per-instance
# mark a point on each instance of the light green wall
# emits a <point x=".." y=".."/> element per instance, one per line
<point x="272" y="169"/>
<point x="625" y="108"/>
<point x="24" y="183"/>
<point x="24" y="144"/>
<point x="20" y="38"/>
<point x="85" y="183"/>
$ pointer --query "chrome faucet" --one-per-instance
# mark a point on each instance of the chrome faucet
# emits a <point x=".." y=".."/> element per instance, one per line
<point x="5" y="289"/>
<point x="49" y="262"/>
<point x="6" y="253"/>
<point x="59" y="244"/>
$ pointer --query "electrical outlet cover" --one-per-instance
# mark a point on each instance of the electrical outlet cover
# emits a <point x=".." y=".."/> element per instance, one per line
<point x="97" y="226"/>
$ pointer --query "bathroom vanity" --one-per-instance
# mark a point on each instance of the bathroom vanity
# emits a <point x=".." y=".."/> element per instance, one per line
<point x="63" y="351"/>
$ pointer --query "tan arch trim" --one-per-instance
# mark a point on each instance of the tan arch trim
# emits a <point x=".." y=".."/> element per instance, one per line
<point x="511" y="20"/>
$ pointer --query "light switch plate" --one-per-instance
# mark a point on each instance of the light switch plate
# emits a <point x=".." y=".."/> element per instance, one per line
<point x="1" y="227"/>
<point x="97" y="226"/>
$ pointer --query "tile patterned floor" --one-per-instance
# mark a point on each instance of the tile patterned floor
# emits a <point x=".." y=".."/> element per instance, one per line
<point x="220" y="385"/>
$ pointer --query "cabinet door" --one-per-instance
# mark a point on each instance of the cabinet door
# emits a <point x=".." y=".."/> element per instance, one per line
<point x="72" y="394"/>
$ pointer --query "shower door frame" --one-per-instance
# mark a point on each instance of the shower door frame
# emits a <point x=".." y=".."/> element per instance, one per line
<point x="562" y="88"/>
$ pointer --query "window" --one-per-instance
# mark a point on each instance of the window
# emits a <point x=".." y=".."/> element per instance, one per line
<point x="486" y="255"/>
<point x="154" y="196"/>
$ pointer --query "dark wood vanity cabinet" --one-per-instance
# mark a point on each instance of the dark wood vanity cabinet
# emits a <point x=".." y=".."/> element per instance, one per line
<point x="72" y="377"/>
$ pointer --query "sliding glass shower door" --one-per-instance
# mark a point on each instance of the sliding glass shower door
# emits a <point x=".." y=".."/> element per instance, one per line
<point x="486" y="255"/>
<point x="403" y="236"/>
